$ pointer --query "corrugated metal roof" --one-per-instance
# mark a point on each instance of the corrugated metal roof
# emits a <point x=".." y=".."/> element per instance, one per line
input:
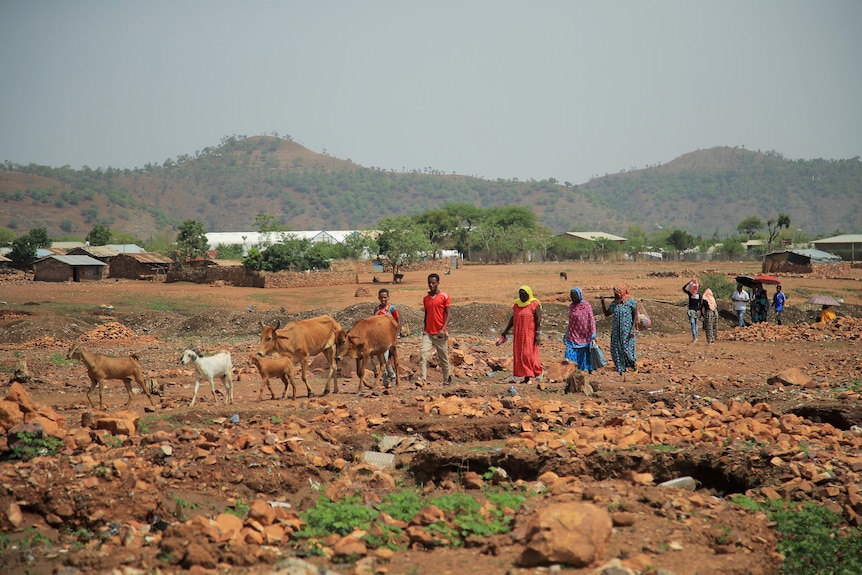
<point x="815" y="256"/>
<point x="99" y="251"/>
<point x="593" y="236"/>
<point x="127" y="248"/>
<point x="76" y="260"/>
<point x="843" y="239"/>
<point x="148" y="258"/>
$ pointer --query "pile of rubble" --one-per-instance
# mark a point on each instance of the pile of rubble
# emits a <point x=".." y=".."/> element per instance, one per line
<point x="115" y="332"/>
<point x="846" y="328"/>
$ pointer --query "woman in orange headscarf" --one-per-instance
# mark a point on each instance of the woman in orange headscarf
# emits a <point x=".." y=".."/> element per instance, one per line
<point x="624" y="308"/>
<point x="526" y="320"/>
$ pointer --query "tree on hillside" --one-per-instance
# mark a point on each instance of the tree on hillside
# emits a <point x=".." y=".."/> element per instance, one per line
<point x="774" y="227"/>
<point x="191" y="240"/>
<point x="99" y="235"/>
<point x="401" y="241"/>
<point x="750" y="226"/>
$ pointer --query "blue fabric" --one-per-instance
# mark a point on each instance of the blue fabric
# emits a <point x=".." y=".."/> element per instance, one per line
<point x="579" y="355"/>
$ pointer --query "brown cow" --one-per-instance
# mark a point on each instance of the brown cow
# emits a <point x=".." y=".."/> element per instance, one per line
<point x="281" y="367"/>
<point x="304" y="339"/>
<point x="373" y="337"/>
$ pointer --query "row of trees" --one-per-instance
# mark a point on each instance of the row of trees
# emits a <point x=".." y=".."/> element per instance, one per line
<point x="501" y="235"/>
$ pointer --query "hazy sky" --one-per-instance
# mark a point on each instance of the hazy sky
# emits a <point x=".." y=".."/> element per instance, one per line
<point x="492" y="88"/>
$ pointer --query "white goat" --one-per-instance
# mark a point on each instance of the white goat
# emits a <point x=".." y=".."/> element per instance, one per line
<point x="101" y="367"/>
<point x="218" y="365"/>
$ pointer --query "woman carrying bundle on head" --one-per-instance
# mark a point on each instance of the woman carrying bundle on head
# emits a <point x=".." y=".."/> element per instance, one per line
<point x="694" y="305"/>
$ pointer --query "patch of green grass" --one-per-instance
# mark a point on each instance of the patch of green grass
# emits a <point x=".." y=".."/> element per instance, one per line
<point x="60" y="359"/>
<point x="811" y="538"/>
<point x="469" y="518"/>
<point x="340" y="517"/>
<point x="180" y="506"/>
<point x="662" y="448"/>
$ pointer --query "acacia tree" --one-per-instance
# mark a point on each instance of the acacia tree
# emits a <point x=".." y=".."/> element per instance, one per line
<point x="750" y="226"/>
<point x="774" y="227"/>
<point x="401" y="241"/>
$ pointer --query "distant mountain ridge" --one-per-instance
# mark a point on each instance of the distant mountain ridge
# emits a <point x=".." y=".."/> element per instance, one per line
<point x="704" y="192"/>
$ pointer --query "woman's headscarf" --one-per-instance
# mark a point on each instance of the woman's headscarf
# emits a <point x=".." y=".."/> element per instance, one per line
<point x="530" y="297"/>
<point x="623" y="292"/>
<point x="709" y="299"/>
<point x="579" y="292"/>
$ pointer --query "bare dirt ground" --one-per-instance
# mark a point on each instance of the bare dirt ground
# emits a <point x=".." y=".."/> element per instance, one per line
<point x="717" y="413"/>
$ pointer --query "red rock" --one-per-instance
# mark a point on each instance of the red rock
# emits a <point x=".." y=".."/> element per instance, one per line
<point x="573" y="533"/>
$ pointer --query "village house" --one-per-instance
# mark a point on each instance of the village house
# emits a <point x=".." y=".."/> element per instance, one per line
<point x="56" y="268"/>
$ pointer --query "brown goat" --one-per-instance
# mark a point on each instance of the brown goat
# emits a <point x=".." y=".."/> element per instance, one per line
<point x="281" y="367"/>
<point x="101" y="367"/>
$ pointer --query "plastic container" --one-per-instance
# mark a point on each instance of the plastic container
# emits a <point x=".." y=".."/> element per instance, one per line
<point x="686" y="482"/>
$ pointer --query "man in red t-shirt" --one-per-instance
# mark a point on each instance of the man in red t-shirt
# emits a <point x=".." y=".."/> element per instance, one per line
<point x="436" y="334"/>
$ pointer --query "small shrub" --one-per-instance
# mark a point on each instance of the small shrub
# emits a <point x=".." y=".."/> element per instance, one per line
<point x="402" y="505"/>
<point x="240" y="509"/>
<point x="30" y="445"/>
<point x="722" y="288"/>
<point x="810" y="539"/>
<point x="340" y="517"/>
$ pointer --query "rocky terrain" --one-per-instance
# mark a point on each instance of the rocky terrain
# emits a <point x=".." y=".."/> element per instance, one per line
<point x="769" y="412"/>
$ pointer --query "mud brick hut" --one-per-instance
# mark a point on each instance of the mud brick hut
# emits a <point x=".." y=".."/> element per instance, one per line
<point x="140" y="266"/>
<point x="69" y="269"/>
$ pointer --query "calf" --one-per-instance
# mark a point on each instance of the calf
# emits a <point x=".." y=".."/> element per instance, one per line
<point x="303" y="339"/>
<point x="218" y="365"/>
<point x="281" y="368"/>
<point x="373" y="337"/>
<point x="564" y="276"/>
<point x="101" y="367"/>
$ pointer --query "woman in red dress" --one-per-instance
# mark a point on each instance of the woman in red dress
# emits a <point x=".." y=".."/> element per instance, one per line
<point x="526" y="323"/>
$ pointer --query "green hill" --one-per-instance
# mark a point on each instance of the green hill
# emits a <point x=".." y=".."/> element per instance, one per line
<point x="225" y="187"/>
